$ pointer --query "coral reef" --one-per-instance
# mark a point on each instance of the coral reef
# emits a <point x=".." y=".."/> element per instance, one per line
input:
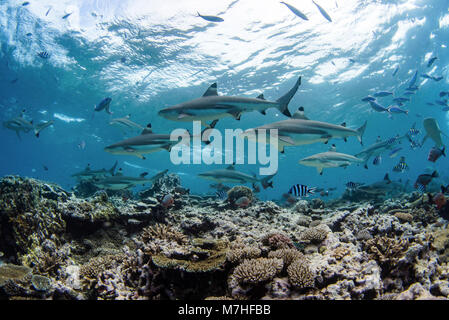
<point x="56" y="245"/>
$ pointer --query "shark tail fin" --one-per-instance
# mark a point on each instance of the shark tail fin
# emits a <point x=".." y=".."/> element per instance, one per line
<point x="360" y="132"/>
<point x="112" y="170"/>
<point x="285" y="99"/>
<point x="266" y="183"/>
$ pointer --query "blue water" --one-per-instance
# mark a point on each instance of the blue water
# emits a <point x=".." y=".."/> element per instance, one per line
<point x="147" y="55"/>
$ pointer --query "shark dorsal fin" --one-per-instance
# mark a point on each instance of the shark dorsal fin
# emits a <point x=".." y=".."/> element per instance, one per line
<point x="211" y="91"/>
<point x="143" y="174"/>
<point x="343" y="124"/>
<point x="231" y="167"/>
<point x="260" y="96"/>
<point x="147" y="129"/>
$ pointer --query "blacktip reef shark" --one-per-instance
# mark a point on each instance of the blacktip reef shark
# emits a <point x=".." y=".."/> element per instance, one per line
<point x="148" y="142"/>
<point x="88" y="173"/>
<point x="120" y="182"/>
<point x="433" y="131"/>
<point x="299" y="131"/>
<point x="211" y="106"/>
<point x="126" y="123"/>
<point x="230" y="175"/>
<point x="329" y="159"/>
<point x="20" y="124"/>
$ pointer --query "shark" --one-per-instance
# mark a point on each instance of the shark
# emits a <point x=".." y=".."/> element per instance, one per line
<point x="211" y="106"/>
<point x="378" y="148"/>
<point x="433" y="131"/>
<point x="329" y="159"/>
<point x="145" y="143"/>
<point x="382" y="187"/>
<point x="20" y="124"/>
<point x="88" y="173"/>
<point x="126" y="123"/>
<point x="120" y="182"/>
<point x="230" y="175"/>
<point x="297" y="131"/>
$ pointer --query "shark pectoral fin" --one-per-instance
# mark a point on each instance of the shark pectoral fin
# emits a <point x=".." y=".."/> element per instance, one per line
<point x="287" y="140"/>
<point x="236" y="114"/>
<point x="319" y="170"/>
<point x="260" y="96"/>
<point x="167" y="147"/>
<point x="183" y="115"/>
<point x="211" y="91"/>
<point x="263" y="112"/>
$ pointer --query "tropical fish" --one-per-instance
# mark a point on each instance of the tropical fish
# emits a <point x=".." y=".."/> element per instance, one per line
<point x="424" y="179"/>
<point x="435" y="154"/>
<point x="242" y="202"/>
<point x="377" y="107"/>
<point x="439" y="200"/>
<point x="167" y="201"/>
<point x="322" y="11"/>
<point x="43" y="54"/>
<point x="381" y="94"/>
<point x="401" y="99"/>
<point x="221" y="194"/>
<point x="103" y="105"/>
<point x="412" y="82"/>
<point x="211" y="106"/>
<point x="401" y="166"/>
<point x="300" y="190"/>
<point x="230" y="175"/>
<point x="88" y="173"/>
<point x="120" y="182"/>
<point x="437" y="79"/>
<point x="211" y="18"/>
<point x="395" y="71"/>
<point x="329" y="159"/>
<point x="296" y="11"/>
<point x="431" y="61"/>
<point x="378" y="148"/>
<point x="433" y="131"/>
<point x="413" y="131"/>
<point x="296" y="132"/>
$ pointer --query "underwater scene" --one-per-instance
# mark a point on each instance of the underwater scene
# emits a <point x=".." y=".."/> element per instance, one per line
<point x="224" y="150"/>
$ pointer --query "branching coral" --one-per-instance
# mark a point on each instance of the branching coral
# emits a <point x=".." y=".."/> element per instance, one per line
<point x="254" y="271"/>
<point x="162" y="232"/>
<point x="287" y="255"/>
<point x="300" y="275"/>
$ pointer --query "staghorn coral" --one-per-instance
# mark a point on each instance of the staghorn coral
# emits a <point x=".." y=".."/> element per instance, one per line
<point x="255" y="271"/>
<point x="91" y="270"/>
<point x="314" y="235"/>
<point x="239" y="254"/>
<point x="300" y="274"/>
<point x="386" y="250"/>
<point x="277" y="241"/>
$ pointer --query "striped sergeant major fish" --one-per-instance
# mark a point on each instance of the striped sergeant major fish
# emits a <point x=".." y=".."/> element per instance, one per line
<point x="300" y="190"/>
<point x="43" y="54"/>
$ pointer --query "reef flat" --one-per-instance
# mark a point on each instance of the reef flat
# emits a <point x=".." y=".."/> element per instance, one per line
<point x="56" y="245"/>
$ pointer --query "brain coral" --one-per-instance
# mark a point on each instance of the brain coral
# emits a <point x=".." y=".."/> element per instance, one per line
<point x="254" y="271"/>
<point x="300" y="275"/>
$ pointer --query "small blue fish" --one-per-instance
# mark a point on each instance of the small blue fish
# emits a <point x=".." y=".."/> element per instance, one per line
<point x="25" y="3"/>
<point x="445" y="108"/>
<point x="67" y="15"/>
<point x="211" y="18"/>
<point x="430" y="104"/>
<point x="431" y="61"/>
<point x="412" y="88"/>
<point x="441" y="102"/>
<point x="296" y="11"/>
<point x="395" y="71"/>
<point x="413" y="80"/>
<point x="408" y="93"/>
<point x="394" y="152"/>
<point x="437" y="79"/>
<point x="401" y="99"/>
<point x="394" y="109"/>
<point x="322" y="11"/>
<point x="377" y="107"/>
<point x="443" y="94"/>
<point x="381" y="94"/>
<point x="368" y="98"/>
<point x="48" y="11"/>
